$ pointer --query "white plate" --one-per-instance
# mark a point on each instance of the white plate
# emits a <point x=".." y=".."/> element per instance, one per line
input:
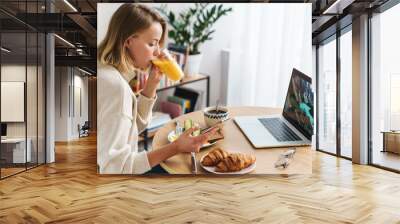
<point x="172" y="137"/>
<point x="211" y="169"/>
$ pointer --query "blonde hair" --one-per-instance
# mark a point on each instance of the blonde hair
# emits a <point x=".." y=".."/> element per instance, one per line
<point x="129" y="19"/>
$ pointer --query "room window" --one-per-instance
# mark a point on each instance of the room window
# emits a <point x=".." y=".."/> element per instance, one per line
<point x="385" y="89"/>
<point x="327" y="96"/>
<point x="346" y="93"/>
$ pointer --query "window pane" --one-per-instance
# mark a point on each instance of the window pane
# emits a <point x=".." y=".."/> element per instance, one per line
<point x="31" y="100"/>
<point x="41" y="98"/>
<point x="346" y="94"/>
<point x="327" y="97"/>
<point x="386" y="88"/>
<point x="22" y="64"/>
<point x="32" y="86"/>
<point x="14" y="147"/>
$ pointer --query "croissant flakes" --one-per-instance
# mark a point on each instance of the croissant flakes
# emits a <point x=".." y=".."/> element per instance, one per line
<point x="235" y="162"/>
<point x="227" y="162"/>
<point x="214" y="157"/>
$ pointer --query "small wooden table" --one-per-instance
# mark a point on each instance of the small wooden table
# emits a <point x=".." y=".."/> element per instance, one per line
<point x="391" y="141"/>
<point x="234" y="141"/>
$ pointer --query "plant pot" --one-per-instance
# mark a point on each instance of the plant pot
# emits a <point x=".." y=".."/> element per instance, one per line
<point x="193" y="64"/>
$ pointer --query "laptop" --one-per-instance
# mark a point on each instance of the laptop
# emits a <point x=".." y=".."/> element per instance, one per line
<point x="294" y="127"/>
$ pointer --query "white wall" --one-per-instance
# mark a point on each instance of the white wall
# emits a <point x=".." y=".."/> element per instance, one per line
<point x="66" y="121"/>
<point x="80" y="83"/>
<point x="61" y="104"/>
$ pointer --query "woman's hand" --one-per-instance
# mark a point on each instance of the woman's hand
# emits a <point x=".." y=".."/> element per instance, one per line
<point x="155" y="76"/>
<point x="185" y="143"/>
<point x="188" y="143"/>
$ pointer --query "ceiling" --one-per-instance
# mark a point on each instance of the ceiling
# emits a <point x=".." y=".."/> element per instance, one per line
<point x="76" y="25"/>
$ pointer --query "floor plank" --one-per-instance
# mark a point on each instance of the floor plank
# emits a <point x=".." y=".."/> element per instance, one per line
<point x="70" y="191"/>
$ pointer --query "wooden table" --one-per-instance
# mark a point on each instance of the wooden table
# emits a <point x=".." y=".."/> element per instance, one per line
<point x="234" y="141"/>
<point x="391" y="141"/>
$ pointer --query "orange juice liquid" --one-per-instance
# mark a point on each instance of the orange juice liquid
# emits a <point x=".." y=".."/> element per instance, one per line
<point x="170" y="68"/>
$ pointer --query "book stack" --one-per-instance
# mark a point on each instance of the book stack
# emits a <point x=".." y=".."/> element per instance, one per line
<point x="189" y="94"/>
<point x="183" y="101"/>
<point x="158" y="120"/>
<point x="173" y="109"/>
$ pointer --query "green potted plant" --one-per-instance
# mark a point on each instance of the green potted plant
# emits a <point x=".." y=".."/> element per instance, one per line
<point x="191" y="28"/>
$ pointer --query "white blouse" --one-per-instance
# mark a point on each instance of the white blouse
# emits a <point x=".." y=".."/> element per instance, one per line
<point x="120" y="118"/>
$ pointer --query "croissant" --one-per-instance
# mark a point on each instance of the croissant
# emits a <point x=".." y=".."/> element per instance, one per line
<point x="214" y="157"/>
<point x="235" y="162"/>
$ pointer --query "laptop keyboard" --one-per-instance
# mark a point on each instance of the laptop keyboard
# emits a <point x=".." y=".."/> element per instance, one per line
<point x="279" y="129"/>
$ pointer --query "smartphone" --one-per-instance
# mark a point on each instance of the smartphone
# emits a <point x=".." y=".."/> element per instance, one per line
<point x="205" y="130"/>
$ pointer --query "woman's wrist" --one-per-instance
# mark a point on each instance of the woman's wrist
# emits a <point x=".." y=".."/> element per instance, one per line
<point x="175" y="147"/>
<point x="150" y="90"/>
<point x="152" y="83"/>
<point x="155" y="157"/>
<point x="171" y="149"/>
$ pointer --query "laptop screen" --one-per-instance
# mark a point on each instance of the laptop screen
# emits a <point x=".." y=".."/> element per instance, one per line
<point x="299" y="104"/>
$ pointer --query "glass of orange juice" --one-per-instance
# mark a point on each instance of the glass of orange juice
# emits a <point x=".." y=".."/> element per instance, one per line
<point x="169" y="67"/>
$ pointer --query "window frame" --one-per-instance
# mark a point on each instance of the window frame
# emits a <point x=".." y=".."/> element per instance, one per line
<point x="334" y="37"/>
<point x="381" y="9"/>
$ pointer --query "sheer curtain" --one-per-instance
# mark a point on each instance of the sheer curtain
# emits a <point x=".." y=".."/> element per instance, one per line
<point x="269" y="40"/>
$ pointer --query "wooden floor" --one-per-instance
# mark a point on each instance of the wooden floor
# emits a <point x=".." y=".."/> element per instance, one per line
<point x="387" y="159"/>
<point x="10" y="171"/>
<point x="70" y="191"/>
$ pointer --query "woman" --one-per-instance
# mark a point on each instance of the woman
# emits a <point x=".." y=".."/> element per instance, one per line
<point x="134" y="37"/>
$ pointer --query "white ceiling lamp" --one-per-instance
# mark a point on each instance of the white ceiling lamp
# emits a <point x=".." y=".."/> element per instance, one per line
<point x="337" y="7"/>
<point x="64" y="40"/>
<point x="70" y="5"/>
<point x="5" y="50"/>
<point x="84" y="71"/>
